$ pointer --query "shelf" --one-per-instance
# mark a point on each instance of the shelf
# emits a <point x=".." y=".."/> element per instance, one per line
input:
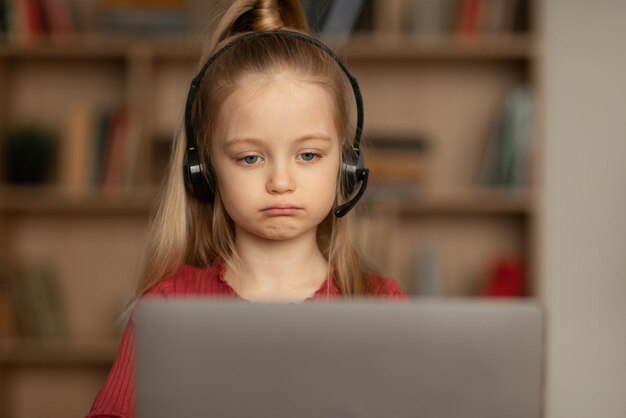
<point x="83" y="47"/>
<point x="461" y="202"/>
<point x="49" y="200"/>
<point x="359" y="47"/>
<point x="57" y="352"/>
<point x="411" y="48"/>
<point x="42" y="201"/>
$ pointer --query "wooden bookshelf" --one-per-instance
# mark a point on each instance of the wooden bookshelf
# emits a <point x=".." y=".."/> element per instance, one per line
<point x="448" y="88"/>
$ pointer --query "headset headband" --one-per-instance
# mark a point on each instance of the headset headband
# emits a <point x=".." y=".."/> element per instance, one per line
<point x="195" y="83"/>
<point x="199" y="179"/>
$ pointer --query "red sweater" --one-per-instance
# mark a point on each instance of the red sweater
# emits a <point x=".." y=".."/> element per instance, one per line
<point x="116" y="397"/>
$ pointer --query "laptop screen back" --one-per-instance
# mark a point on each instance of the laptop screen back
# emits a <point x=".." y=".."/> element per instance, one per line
<point x="361" y="359"/>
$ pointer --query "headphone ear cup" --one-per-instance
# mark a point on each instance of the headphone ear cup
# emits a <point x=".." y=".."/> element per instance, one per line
<point x="348" y="178"/>
<point x="199" y="179"/>
<point x="350" y="168"/>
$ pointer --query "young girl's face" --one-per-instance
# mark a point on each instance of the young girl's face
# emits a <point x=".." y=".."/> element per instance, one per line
<point x="276" y="155"/>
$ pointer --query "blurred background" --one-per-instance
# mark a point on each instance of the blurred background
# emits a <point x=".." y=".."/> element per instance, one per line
<point x="495" y="134"/>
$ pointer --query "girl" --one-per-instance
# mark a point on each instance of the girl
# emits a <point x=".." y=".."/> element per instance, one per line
<point x="268" y="135"/>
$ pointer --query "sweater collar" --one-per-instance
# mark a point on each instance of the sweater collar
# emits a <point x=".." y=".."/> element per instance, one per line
<point x="328" y="290"/>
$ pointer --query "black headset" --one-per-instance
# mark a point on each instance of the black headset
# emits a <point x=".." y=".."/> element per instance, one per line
<point x="200" y="179"/>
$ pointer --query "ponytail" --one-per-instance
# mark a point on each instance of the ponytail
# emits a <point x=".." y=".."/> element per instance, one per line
<point x="267" y="16"/>
<point x="258" y="15"/>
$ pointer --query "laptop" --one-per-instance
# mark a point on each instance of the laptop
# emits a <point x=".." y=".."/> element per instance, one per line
<point x="341" y="359"/>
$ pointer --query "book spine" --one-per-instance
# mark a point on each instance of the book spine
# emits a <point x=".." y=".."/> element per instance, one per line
<point x="427" y="275"/>
<point x="431" y="17"/>
<point x="508" y="15"/>
<point x="59" y="16"/>
<point x="8" y="308"/>
<point x="342" y="17"/>
<point x="115" y="153"/>
<point x="4" y="18"/>
<point x="100" y="146"/>
<point x="76" y="151"/>
<point x="133" y="145"/>
<point x="469" y="17"/>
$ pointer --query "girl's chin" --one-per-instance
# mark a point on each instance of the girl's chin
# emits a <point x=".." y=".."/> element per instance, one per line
<point x="279" y="234"/>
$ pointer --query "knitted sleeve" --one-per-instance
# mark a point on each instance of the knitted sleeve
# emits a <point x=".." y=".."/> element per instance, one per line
<point x="116" y="398"/>
<point x="382" y="287"/>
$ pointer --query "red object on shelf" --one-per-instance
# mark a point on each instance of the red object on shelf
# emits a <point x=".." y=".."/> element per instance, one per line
<point x="469" y="17"/>
<point x="505" y="279"/>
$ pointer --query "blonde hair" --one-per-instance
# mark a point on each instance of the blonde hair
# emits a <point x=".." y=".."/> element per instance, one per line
<point x="187" y="230"/>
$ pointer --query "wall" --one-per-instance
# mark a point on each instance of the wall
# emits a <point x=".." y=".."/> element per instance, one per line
<point x="584" y="207"/>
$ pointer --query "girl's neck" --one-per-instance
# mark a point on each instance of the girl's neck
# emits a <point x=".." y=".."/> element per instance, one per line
<point x="277" y="269"/>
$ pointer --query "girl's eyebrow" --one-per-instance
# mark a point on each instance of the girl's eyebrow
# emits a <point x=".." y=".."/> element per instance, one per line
<point x="255" y="141"/>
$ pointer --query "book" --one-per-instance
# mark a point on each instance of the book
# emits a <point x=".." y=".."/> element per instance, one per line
<point x="469" y="17"/>
<point x="132" y="153"/>
<point x="521" y="120"/>
<point x="115" y="153"/>
<point x="432" y="17"/>
<point x="76" y="151"/>
<point x="316" y="13"/>
<point x="342" y="17"/>
<point x="4" y="17"/>
<point x="365" y="21"/>
<point x="492" y="16"/>
<point x="38" y="300"/>
<point x="508" y="153"/>
<point x="504" y="278"/>
<point x="34" y="17"/>
<point x="147" y="16"/>
<point x="59" y="18"/>
<point x="397" y="159"/>
<point x="521" y="17"/>
<point x="427" y="271"/>
<point x="398" y="167"/>
<point x="99" y="149"/>
<point x="30" y="20"/>
<point x="8" y="315"/>
<point x="508" y="15"/>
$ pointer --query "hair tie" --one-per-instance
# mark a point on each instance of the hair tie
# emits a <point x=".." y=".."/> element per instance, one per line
<point x="267" y="16"/>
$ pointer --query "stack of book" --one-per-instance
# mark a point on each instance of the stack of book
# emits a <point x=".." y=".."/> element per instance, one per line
<point x="146" y="16"/>
<point x="25" y="21"/>
<point x="469" y="17"/>
<point x="398" y="167"/>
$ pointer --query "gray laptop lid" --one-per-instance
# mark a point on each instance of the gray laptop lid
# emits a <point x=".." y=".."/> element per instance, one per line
<point x="362" y="359"/>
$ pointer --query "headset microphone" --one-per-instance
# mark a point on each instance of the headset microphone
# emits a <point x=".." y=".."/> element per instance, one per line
<point x="199" y="177"/>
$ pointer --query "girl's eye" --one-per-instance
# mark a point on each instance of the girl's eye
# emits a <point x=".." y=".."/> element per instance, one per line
<point x="250" y="159"/>
<point x="309" y="156"/>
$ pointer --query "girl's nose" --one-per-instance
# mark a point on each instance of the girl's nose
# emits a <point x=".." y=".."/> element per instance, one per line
<point x="280" y="179"/>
